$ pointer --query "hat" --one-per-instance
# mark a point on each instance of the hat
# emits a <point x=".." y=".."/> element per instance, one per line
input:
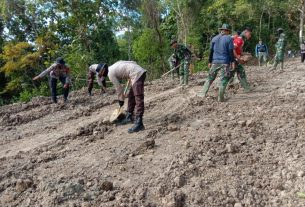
<point x="225" y="27"/>
<point x="102" y="66"/>
<point x="280" y="30"/>
<point x="173" y="42"/>
<point x="60" y="60"/>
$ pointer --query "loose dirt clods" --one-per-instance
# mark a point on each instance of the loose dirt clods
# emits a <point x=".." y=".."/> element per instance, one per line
<point x="248" y="151"/>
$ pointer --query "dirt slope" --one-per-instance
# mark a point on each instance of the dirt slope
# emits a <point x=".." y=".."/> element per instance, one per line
<point x="248" y="151"/>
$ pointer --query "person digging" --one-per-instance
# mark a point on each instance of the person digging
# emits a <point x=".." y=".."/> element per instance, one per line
<point x="57" y="71"/>
<point x="135" y="75"/>
<point x="101" y="72"/>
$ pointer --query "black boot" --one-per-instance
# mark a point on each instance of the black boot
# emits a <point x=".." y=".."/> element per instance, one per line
<point x="127" y="120"/>
<point x="138" y="126"/>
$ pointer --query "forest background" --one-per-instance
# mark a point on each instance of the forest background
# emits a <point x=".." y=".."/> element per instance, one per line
<point x="35" y="32"/>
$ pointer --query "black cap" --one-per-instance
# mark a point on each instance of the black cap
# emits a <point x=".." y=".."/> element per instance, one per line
<point x="60" y="60"/>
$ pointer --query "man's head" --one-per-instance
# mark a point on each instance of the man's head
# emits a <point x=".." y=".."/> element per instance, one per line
<point x="247" y="33"/>
<point x="174" y="44"/>
<point x="280" y="30"/>
<point x="225" y="29"/>
<point x="260" y="42"/>
<point x="60" y="60"/>
<point x="103" y="71"/>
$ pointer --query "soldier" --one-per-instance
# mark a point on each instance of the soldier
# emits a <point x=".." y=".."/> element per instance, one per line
<point x="173" y="63"/>
<point x="220" y="59"/>
<point x="261" y="52"/>
<point x="280" y="49"/>
<point x="239" y="41"/>
<point x="129" y="70"/>
<point x="57" y="71"/>
<point x="101" y="72"/>
<point x="183" y="56"/>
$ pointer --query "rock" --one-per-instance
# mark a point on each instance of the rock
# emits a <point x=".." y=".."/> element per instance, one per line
<point x="22" y="185"/>
<point x="107" y="186"/>
<point x="172" y="128"/>
<point x="301" y="173"/>
<point x="180" y="181"/>
<point x="230" y="148"/>
<point x="73" y="188"/>
<point x="238" y="205"/>
<point x="250" y="123"/>
<point x="242" y="123"/>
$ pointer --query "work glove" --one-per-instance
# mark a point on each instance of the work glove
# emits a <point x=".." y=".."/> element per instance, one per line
<point x="121" y="103"/>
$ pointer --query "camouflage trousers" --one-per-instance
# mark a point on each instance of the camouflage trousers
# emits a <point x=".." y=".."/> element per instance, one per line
<point x="279" y="58"/>
<point x="224" y="79"/>
<point x="241" y="75"/>
<point x="184" y="72"/>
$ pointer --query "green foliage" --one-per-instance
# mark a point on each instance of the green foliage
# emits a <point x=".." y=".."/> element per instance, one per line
<point x="34" y="33"/>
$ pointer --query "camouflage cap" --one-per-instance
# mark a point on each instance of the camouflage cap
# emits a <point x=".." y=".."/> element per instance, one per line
<point x="225" y="27"/>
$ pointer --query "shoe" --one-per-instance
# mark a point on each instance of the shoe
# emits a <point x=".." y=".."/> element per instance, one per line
<point x="138" y="126"/>
<point x="127" y="120"/>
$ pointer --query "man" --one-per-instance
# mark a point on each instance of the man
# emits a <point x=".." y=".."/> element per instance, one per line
<point x="220" y="59"/>
<point x="280" y="49"/>
<point x="173" y="63"/>
<point x="303" y="52"/>
<point x="129" y="70"/>
<point x="57" y="71"/>
<point x="183" y="56"/>
<point x="101" y="72"/>
<point x="261" y="52"/>
<point x="239" y="41"/>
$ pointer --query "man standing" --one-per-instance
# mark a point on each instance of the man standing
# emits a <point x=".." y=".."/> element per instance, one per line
<point x="303" y="52"/>
<point x="239" y="41"/>
<point x="183" y="56"/>
<point x="220" y="59"/>
<point x="261" y="52"/>
<point x="57" y="71"/>
<point x="101" y="72"/>
<point x="280" y="49"/>
<point x="131" y="71"/>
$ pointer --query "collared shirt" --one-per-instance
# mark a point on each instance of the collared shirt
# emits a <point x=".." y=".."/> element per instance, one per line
<point x="124" y="70"/>
<point x="56" y="71"/>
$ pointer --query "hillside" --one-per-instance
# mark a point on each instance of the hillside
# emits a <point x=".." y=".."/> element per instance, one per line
<point x="248" y="151"/>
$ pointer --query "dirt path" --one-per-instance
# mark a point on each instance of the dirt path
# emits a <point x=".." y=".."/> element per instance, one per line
<point x="247" y="151"/>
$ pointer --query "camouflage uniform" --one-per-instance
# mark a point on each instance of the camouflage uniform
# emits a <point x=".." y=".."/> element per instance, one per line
<point x="224" y="79"/>
<point x="280" y="51"/>
<point x="172" y="60"/>
<point x="183" y="57"/>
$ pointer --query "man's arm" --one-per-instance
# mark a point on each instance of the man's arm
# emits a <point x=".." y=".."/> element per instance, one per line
<point x="45" y="72"/>
<point x="256" y="51"/>
<point x="211" y="53"/>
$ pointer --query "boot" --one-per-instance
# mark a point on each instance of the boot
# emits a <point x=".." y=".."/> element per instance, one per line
<point x="221" y="93"/>
<point x="181" y="80"/>
<point x="138" y="126"/>
<point x="127" y="120"/>
<point x="245" y="84"/>
<point x="186" y="79"/>
<point x="205" y="90"/>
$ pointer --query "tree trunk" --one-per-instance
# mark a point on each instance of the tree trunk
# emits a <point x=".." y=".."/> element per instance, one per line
<point x="302" y="10"/>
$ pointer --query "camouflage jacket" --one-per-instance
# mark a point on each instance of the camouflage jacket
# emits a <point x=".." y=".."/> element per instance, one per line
<point x="281" y="43"/>
<point x="182" y="53"/>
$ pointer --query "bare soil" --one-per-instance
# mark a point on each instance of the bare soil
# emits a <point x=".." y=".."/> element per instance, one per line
<point x="248" y="151"/>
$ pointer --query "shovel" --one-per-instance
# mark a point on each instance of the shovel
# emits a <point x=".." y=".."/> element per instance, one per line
<point x="120" y="111"/>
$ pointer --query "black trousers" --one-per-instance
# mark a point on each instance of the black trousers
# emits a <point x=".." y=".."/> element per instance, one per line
<point x="53" y="84"/>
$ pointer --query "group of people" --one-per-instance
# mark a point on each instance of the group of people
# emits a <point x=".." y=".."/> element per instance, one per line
<point x="226" y="55"/>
